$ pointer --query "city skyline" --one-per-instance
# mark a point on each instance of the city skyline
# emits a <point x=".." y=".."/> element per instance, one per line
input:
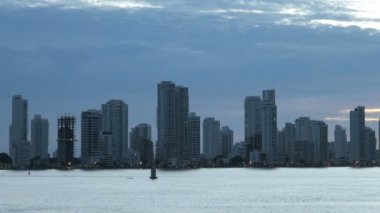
<point x="320" y="57"/>
<point x="268" y="95"/>
<point x="189" y="105"/>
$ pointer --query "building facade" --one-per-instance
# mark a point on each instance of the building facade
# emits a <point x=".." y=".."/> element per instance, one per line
<point x="193" y="138"/>
<point x="269" y="126"/>
<point x="19" y="146"/>
<point x="252" y="124"/>
<point x="66" y="140"/>
<point x="211" y="138"/>
<point x="357" y="134"/>
<point x="341" y="146"/>
<point x="114" y="121"/>
<point x="172" y="112"/>
<point x="320" y="142"/>
<point x="141" y="141"/>
<point x="40" y="137"/>
<point x="370" y="145"/>
<point x="90" y="136"/>
<point x="227" y="141"/>
<point x="302" y="148"/>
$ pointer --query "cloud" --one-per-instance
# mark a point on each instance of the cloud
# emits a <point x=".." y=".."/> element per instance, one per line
<point x="82" y="4"/>
<point x="345" y="119"/>
<point x="364" y="14"/>
<point x="367" y="111"/>
<point x="336" y="119"/>
<point x="340" y="23"/>
<point x="232" y="10"/>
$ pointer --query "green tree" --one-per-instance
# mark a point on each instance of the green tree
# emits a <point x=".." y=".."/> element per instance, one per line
<point x="4" y="158"/>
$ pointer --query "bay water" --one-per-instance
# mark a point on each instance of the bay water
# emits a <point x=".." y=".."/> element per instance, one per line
<point x="200" y="190"/>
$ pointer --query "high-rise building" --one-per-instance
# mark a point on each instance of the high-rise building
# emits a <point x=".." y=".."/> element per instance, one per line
<point x="19" y="146"/>
<point x="320" y="142"/>
<point x="281" y="146"/>
<point x="106" y="149"/>
<point x="211" y="137"/>
<point x="193" y="137"/>
<point x="66" y="140"/>
<point x="114" y="122"/>
<point x="286" y="138"/>
<point x="141" y="141"/>
<point x="227" y="138"/>
<point x="40" y="137"/>
<point x="370" y="145"/>
<point x="182" y="113"/>
<point x="289" y="138"/>
<point x="302" y="148"/>
<point x="252" y="124"/>
<point x="90" y="136"/>
<point x="269" y="126"/>
<point x="341" y="146"/>
<point x="172" y="112"/>
<point x="357" y="131"/>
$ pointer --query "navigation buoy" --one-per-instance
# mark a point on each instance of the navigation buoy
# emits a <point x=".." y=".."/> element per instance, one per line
<point x="153" y="175"/>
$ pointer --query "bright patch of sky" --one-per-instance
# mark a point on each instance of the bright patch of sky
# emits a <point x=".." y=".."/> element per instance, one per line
<point x="338" y="13"/>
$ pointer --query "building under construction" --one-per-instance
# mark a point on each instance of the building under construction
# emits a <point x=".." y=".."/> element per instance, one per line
<point x="66" y="139"/>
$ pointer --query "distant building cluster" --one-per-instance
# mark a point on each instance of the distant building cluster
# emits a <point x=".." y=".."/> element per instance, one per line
<point x="106" y="141"/>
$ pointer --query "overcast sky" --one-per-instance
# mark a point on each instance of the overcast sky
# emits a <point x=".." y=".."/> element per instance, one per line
<point x="67" y="56"/>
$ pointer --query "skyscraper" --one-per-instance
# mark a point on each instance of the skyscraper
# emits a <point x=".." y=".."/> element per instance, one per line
<point x="182" y="111"/>
<point x="193" y="137"/>
<point x="141" y="141"/>
<point x="357" y="131"/>
<point x="19" y="146"/>
<point x="211" y="137"/>
<point x="40" y="137"/>
<point x="370" y="145"/>
<point x="115" y="122"/>
<point x="302" y="148"/>
<point x="106" y="149"/>
<point x="289" y="139"/>
<point x="252" y="124"/>
<point x="320" y="141"/>
<point x="269" y="126"/>
<point x="66" y="140"/>
<point x="341" y="145"/>
<point x="227" y="141"/>
<point x="286" y="138"/>
<point x="90" y="136"/>
<point x="172" y="112"/>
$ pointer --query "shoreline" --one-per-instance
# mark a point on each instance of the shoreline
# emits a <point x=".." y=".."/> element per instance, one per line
<point x="191" y="169"/>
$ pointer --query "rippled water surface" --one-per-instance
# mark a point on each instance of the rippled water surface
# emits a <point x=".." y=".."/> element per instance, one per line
<point x="204" y="190"/>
